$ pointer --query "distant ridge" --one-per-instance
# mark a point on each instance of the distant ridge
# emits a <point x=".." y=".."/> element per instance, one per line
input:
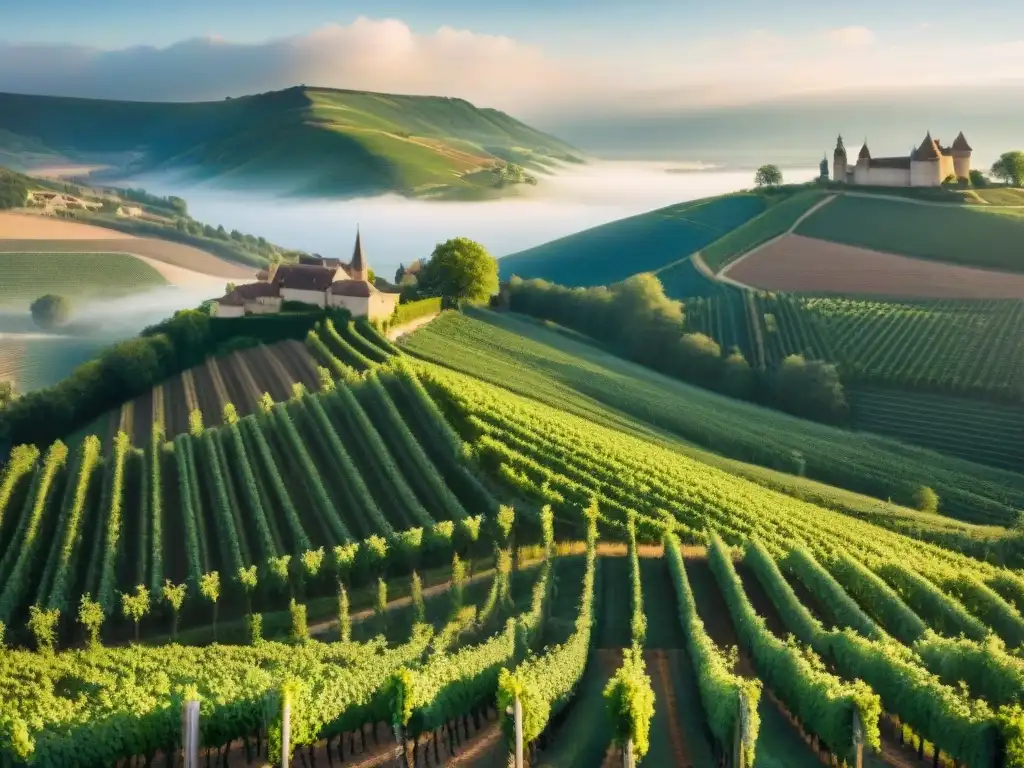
<point x="302" y="141"/>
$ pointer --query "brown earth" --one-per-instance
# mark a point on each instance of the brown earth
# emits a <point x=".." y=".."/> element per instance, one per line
<point x="29" y="226"/>
<point x="803" y="264"/>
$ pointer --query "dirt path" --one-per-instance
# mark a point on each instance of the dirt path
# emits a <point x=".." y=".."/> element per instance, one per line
<point x="402" y="330"/>
<point x="723" y="273"/>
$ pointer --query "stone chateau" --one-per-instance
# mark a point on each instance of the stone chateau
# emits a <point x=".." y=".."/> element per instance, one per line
<point x="926" y="166"/>
<point x="322" y="282"/>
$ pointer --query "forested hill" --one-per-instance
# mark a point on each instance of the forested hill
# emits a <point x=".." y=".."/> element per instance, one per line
<point x="312" y="141"/>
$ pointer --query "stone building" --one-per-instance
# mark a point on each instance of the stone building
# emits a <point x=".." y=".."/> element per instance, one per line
<point x="928" y="165"/>
<point x="315" y="280"/>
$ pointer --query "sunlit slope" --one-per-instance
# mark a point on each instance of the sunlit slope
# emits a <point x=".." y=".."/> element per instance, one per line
<point x="584" y="380"/>
<point x="302" y="140"/>
<point x="971" y="235"/>
<point x="644" y="243"/>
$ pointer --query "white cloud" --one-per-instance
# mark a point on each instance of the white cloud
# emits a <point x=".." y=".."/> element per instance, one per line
<point x="492" y="70"/>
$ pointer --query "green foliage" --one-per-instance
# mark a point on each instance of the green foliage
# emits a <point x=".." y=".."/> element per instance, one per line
<point x="75" y="276"/>
<point x="978" y="179"/>
<point x="50" y="311"/>
<point x="90" y="616"/>
<point x="174" y="596"/>
<point x="14" y="189"/>
<point x="299" y="632"/>
<point x="135" y="606"/>
<point x="43" y="626"/>
<point x="630" y="702"/>
<point x="344" y="620"/>
<point x="811" y="389"/>
<point x="1009" y="168"/>
<point x="460" y="270"/>
<point x="195" y="423"/>
<point x="419" y="608"/>
<point x="254" y="627"/>
<point x="406" y="312"/>
<point x="230" y="415"/>
<point x="768" y="176"/>
<point x="926" y="500"/>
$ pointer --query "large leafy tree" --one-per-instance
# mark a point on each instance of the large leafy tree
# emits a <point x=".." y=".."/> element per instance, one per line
<point x="50" y="310"/>
<point x="1010" y="168"/>
<point x="768" y="176"/>
<point x="461" y="270"/>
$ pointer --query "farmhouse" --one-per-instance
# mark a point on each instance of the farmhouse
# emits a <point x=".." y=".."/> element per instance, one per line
<point x="926" y="166"/>
<point x="54" y="201"/>
<point x="315" y="280"/>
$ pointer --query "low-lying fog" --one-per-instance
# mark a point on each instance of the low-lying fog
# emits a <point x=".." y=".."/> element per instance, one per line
<point x="398" y="230"/>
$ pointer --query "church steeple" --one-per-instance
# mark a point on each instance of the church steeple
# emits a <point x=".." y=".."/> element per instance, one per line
<point x="357" y="267"/>
<point x="840" y="149"/>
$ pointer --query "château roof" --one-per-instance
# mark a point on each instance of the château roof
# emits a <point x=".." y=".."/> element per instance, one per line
<point x="358" y="288"/>
<point x="303" y="277"/>
<point x="928" y="150"/>
<point x="840" y="149"/>
<point x="865" y="153"/>
<point x="960" y="143"/>
<point x="248" y="292"/>
<point x="890" y="162"/>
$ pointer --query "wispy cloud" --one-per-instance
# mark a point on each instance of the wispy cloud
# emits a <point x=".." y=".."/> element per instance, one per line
<point x="493" y="70"/>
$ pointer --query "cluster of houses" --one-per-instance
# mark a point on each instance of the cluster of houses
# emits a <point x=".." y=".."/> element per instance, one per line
<point x="51" y="202"/>
<point x="315" y="280"/>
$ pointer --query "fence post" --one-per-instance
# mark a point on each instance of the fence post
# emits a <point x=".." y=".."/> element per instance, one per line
<point x="627" y="755"/>
<point x="517" y="714"/>
<point x="286" y="733"/>
<point x="858" y="740"/>
<point x="190" y="733"/>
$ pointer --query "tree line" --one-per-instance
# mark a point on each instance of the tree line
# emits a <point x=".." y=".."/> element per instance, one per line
<point x="635" y="319"/>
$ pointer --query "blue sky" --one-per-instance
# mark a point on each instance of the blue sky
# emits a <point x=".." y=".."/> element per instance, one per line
<point x="530" y="57"/>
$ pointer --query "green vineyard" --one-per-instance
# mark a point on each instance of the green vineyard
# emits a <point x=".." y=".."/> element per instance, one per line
<point x="27" y="276"/>
<point x="400" y="555"/>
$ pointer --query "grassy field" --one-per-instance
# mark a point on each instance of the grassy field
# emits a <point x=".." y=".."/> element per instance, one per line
<point x="773" y="222"/>
<point x="969" y="235"/>
<point x="27" y="276"/>
<point x="301" y="140"/>
<point x="608" y="390"/>
<point x="644" y="243"/>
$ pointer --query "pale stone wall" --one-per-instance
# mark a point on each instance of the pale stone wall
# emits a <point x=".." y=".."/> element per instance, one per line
<point x="357" y="305"/>
<point x="926" y="173"/>
<point x="962" y="165"/>
<point x="226" y="310"/>
<point x="382" y="305"/>
<point x="265" y="305"/>
<point x="881" y="177"/>
<point x="317" y="298"/>
<point x="838" y="170"/>
<point x="946" y="167"/>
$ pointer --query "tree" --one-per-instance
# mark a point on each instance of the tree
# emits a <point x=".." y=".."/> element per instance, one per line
<point x="7" y="394"/>
<point x="209" y="587"/>
<point x="371" y="276"/>
<point x="461" y="270"/>
<point x="174" y="596"/>
<point x="50" y="310"/>
<point x="978" y="179"/>
<point x="823" y="172"/>
<point x="768" y="176"/>
<point x="926" y="500"/>
<point x="43" y="626"/>
<point x="229" y="287"/>
<point x="90" y="616"/>
<point x="1009" y="168"/>
<point x="811" y="389"/>
<point x="136" y="606"/>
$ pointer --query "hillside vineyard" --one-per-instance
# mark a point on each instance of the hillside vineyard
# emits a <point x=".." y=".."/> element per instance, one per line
<point x="392" y="467"/>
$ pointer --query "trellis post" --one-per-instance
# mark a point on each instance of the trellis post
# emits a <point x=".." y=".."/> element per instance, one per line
<point x="190" y="733"/>
<point x="516" y="712"/>
<point x="286" y="732"/>
<point x="627" y="755"/>
<point x="858" y="740"/>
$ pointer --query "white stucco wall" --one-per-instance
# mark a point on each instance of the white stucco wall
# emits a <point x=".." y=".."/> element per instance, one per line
<point x="226" y="310"/>
<point x="357" y="305"/>
<point x="382" y="305"/>
<point x="265" y="305"/>
<point x="317" y="298"/>
<point x="882" y="177"/>
<point x="962" y="165"/>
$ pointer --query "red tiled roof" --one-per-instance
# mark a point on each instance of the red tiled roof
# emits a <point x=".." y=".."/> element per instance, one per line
<point x="960" y="143"/>
<point x="928" y="149"/>
<point x="257" y="290"/>
<point x="359" y="288"/>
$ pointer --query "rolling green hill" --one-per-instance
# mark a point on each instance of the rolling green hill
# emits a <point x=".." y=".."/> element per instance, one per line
<point x="614" y="251"/>
<point x="309" y="141"/>
<point x="971" y="235"/>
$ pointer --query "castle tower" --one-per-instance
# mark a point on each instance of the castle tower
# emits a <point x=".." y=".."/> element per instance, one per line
<point x="357" y="268"/>
<point x="839" y="161"/>
<point x="863" y="169"/>
<point x="925" y="168"/>
<point x="961" y="157"/>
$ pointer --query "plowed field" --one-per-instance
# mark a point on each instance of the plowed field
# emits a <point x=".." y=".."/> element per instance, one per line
<point x="805" y="265"/>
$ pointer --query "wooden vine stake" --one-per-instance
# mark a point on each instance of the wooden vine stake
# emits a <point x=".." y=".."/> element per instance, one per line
<point x="190" y="733"/>
<point x="516" y="711"/>
<point x="741" y="738"/>
<point x="858" y="740"/>
<point x="627" y="755"/>
<point x="286" y="732"/>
